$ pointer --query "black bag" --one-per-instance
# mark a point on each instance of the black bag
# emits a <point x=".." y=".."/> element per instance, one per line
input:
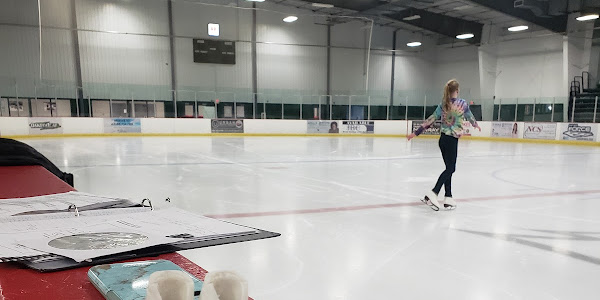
<point x="15" y="153"/>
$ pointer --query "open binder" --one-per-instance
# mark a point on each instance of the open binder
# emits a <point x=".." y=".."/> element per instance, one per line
<point x="183" y="229"/>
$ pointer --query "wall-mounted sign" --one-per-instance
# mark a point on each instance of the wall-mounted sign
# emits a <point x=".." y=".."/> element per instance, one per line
<point x="213" y="29"/>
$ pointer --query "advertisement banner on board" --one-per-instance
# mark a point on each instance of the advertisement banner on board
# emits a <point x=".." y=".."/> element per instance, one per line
<point x="434" y="129"/>
<point x="122" y="125"/>
<point x="505" y="129"/>
<point x="580" y="132"/>
<point x="540" y="131"/>
<point x="347" y="127"/>
<point x="315" y="126"/>
<point x="227" y="126"/>
<point x="357" y="127"/>
<point x="45" y="126"/>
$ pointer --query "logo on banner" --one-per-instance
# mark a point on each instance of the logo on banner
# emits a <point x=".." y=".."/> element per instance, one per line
<point x="227" y="126"/>
<point x="44" y="125"/>
<point x="540" y="131"/>
<point x="578" y="132"/>
<point x="123" y="125"/>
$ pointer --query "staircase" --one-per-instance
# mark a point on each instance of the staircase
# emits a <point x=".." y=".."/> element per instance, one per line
<point x="584" y="99"/>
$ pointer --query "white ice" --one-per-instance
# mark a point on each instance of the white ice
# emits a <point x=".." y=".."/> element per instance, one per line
<point x="527" y="224"/>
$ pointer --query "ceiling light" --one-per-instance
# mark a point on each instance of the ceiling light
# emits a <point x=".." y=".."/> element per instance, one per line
<point x="255" y="0"/>
<point x="322" y="5"/>
<point x="414" y="44"/>
<point x="587" y="17"/>
<point x="290" y="19"/>
<point x="465" y="36"/>
<point x="410" y="18"/>
<point x="518" y="28"/>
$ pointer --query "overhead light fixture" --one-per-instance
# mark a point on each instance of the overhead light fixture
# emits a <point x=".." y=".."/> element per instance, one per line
<point x="322" y="5"/>
<point x="465" y="36"/>
<point x="410" y="18"/>
<point x="290" y="19"/>
<point x="414" y="44"/>
<point x="518" y="28"/>
<point x="588" y="17"/>
<point x="255" y="0"/>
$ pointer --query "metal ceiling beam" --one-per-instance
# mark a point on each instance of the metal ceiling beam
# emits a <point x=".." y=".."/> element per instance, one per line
<point x="352" y="5"/>
<point x="432" y="22"/>
<point x="552" y="23"/>
<point x="442" y="24"/>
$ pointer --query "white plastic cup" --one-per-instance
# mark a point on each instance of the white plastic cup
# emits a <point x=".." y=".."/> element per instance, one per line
<point x="224" y="285"/>
<point x="170" y="285"/>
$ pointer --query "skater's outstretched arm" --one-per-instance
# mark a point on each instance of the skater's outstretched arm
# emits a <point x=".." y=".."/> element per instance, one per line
<point x="436" y="115"/>
<point x="470" y="117"/>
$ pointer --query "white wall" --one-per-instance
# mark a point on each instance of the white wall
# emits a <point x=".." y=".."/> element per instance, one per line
<point x="109" y="61"/>
<point x="191" y="20"/>
<point x="461" y="63"/>
<point x="530" y="76"/>
<point x="289" y="67"/>
<point x="270" y="28"/>
<point x="19" y="12"/>
<point x="20" y="57"/>
<point x="348" y="57"/>
<point x="530" y="68"/>
<point x="380" y="74"/>
<point x="19" y="54"/>
<point x="488" y="71"/>
<point x="284" y="61"/>
<point x="347" y="71"/>
<point x="579" y="46"/>
<point x="124" y="59"/>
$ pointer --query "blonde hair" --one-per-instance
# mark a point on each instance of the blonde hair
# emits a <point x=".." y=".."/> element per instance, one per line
<point x="451" y="87"/>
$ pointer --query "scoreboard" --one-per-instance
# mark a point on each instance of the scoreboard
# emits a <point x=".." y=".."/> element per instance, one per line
<point x="214" y="51"/>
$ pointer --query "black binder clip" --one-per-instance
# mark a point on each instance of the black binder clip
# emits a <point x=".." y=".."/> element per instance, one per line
<point x="73" y="207"/>
<point x="149" y="203"/>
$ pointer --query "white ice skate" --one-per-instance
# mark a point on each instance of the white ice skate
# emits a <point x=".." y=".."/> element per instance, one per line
<point x="449" y="203"/>
<point x="431" y="200"/>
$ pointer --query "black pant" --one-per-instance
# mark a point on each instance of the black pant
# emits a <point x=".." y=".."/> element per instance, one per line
<point x="448" y="146"/>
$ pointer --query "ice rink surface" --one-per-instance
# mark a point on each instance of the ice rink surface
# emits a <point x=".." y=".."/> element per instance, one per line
<point x="527" y="224"/>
